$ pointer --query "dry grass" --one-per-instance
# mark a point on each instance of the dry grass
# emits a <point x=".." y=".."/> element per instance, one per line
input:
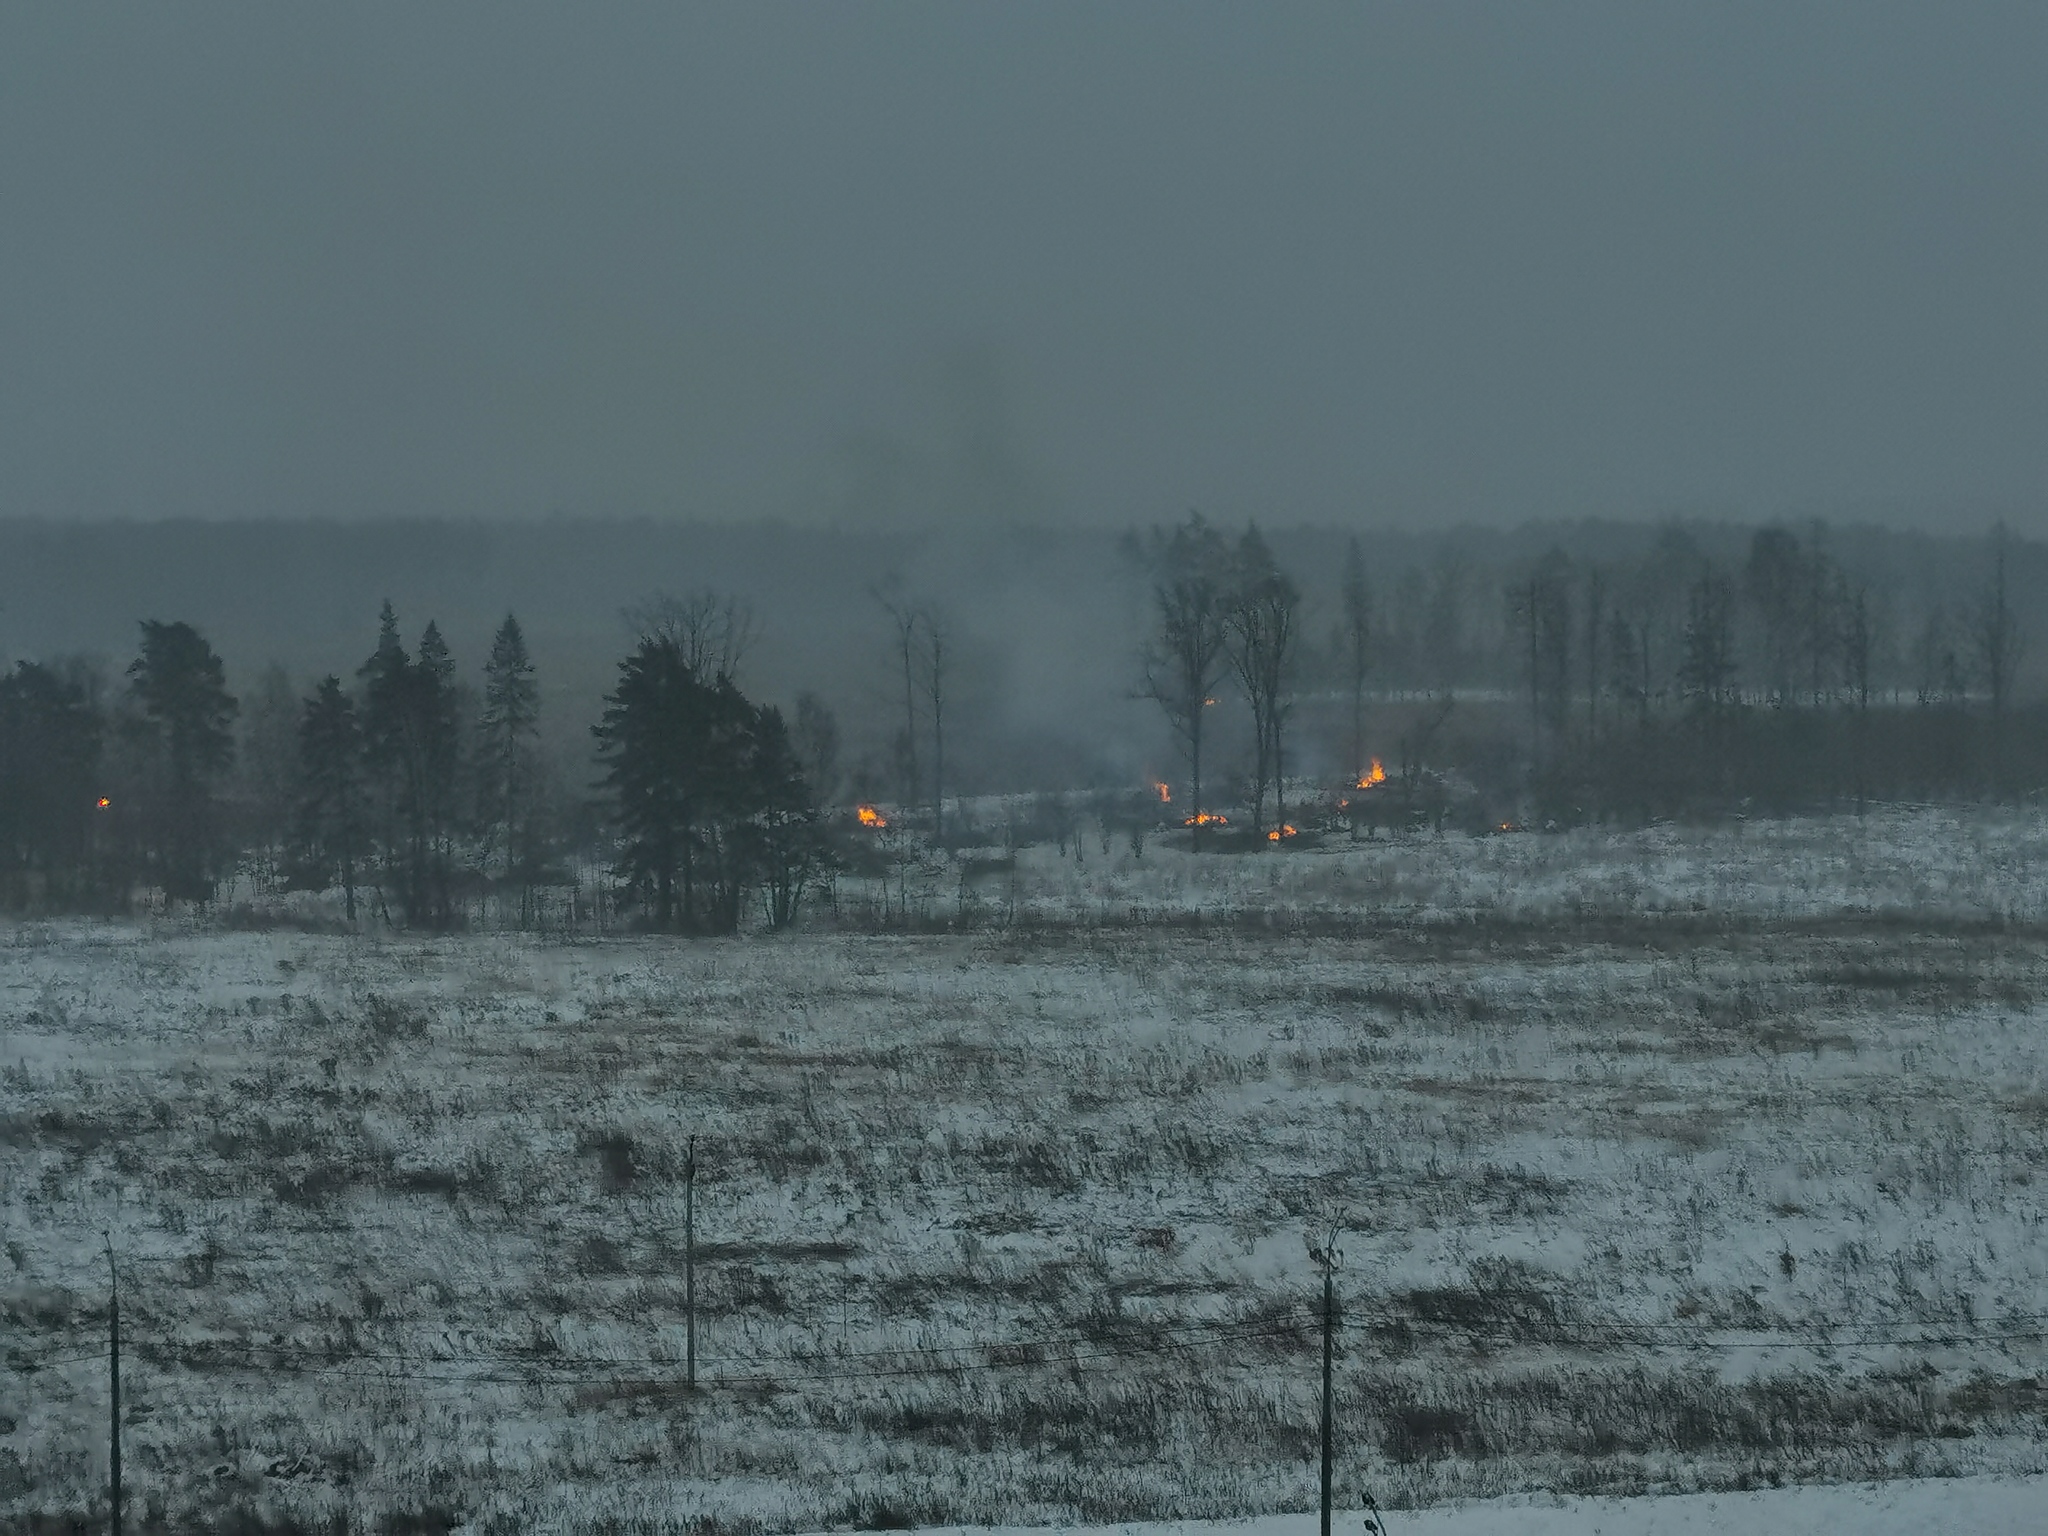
<point x="404" y="1220"/>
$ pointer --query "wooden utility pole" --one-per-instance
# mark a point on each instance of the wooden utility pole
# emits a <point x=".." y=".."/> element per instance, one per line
<point x="1326" y="1259"/>
<point x="690" y="1264"/>
<point x="1329" y="1349"/>
<point x="113" y="1390"/>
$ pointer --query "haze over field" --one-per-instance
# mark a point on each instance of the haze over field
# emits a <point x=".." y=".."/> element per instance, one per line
<point x="907" y="264"/>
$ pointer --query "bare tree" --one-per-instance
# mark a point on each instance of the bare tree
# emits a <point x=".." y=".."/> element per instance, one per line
<point x="1822" y="615"/>
<point x="1996" y="646"/>
<point x="1540" y="609"/>
<point x="1595" y="632"/>
<point x="932" y="638"/>
<point x="1856" y="648"/>
<point x="712" y="630"/>
<point x="1445" y="641"/>
<point x="1935" y="661"/>
<point x="903" y="620"/>
<point x="1707" y="671"/>
<point x="1185" y="660"/>
<point x="1355" y="640"/>
<point x="1776" y="582"/>
<point x="1260" y="623"/>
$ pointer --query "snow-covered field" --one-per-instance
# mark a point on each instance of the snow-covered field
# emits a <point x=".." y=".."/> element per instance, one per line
<point x="1971" y="1506"/>
<point x="1912" y="864"/>
<point x="1667" y="1161"/>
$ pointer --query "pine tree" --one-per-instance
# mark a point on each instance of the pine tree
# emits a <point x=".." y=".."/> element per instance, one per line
<point x="507" y="731"/>
<point x="50" y="738"/>
<point x="706" y="794"/>
<point x="786" y="846"/>
<point x="332" y="822"/>
<point x="180" y="687"/>
<point x="437" y="725"/>
<point x="412" y="747"/>
<point x="386" y="750"/>
<point x="643" y="740"/>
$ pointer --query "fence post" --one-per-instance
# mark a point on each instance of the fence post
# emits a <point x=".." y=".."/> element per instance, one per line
<point x="690" y="1265"/>
<point x="113" y="1390"/>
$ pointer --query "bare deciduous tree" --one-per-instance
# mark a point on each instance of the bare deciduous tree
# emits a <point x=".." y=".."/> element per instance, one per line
<point x="1996" y="646"/>
<point x="904" y="619"/>
<point x="1185" y="660"/>
<point x="932" y="637"/>
<point x="1261" y="626"/>
<point x="1355" y="639"/>
<point x="713" y="631"/>
<point x="1856" y="647"/>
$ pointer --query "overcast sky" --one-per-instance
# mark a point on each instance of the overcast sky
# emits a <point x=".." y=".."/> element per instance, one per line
<point x="1091" y="263"/>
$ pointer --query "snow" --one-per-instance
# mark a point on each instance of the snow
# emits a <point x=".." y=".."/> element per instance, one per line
<point x="1966" y="1506"/>
<point x="1696" y="1159"/>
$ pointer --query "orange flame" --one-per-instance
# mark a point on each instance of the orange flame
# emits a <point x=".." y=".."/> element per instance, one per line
<point x="1376" y="774"/>
<point x="1283" y="830"/>
<point x="104" y="802"/>
<point x="1206" y="819"/>
<point x="870" y="817"/>
<point x="1165" y="794"/>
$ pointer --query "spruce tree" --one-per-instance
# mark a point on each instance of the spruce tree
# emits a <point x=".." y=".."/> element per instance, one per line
<point x="180" y="687"/>
<point x="508" y="729"/>
<point x="332" y="823"/>
<point x="50" y="783"/>
<point x="384" y="679"/>
<point x="438" y="767"/>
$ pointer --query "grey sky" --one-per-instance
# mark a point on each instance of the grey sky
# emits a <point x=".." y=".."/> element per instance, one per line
<point x="1092" y="263"/>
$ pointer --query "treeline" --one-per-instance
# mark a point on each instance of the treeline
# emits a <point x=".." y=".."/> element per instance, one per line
<point x="1782" y="681"/>
<point x="420" y="799"/>
<point x="1672" y="682"/>
<point x="1679" y="671"/>
<point x="1022" y="642"/>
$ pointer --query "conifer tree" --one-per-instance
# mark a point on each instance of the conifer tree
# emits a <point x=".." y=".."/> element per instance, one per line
<point x="50" y="780"/>
<point x="332" y="816"/>
<point x="706" y="794"/>
<point x="180" y="688"/>
<point x="437" y="788"/>
<point x="507" y="731"/>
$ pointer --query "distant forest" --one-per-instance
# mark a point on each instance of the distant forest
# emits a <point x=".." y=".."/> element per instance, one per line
<point x="444" y="720"/>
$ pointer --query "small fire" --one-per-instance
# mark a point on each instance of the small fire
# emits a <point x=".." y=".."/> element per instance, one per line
<point x="1165" y="794"/>
<point x="1206" y="819"/>
<point x="1376" y="774"/>
<point x="870" y="817"/>
<point x="104" y="802"/>
<point x="1279" y="832"/>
